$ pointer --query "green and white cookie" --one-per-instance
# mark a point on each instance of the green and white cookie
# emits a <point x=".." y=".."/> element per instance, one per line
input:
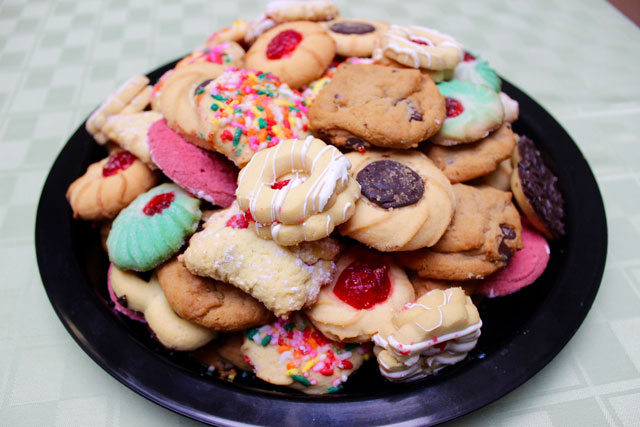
<point x="476" y="70"/>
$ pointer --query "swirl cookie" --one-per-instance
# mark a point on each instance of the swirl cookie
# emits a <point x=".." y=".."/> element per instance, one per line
<point x="244" y="111"/>
<point x="294" y="10"/>
<point x="464" y="162"/>
<point x="299" y="190"/>
<point x="292" y="353"/>
<point x="437" y="330"/>
<point x="351" y="105"/>
<point x="108" y="186"/>
<point x="283" y="279"/>
<point x="483" y="235"/>
<point x="473" y="111"/>
<point x="407" y="203"/>
<point x="207" y="302"/>
<point x="355" y="37"/>
<point x="152" y="228"/>
<point x="297" y="52"/>
<point x="368" y="290"/>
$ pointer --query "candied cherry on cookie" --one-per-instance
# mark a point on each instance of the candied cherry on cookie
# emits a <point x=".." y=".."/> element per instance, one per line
<point x="420" y="47"/>
<point x="297" y="191"/>
<point x="297" y="52"/>
<point x="109" y="185"/>
<point x="153" y="228"/>
<point x="473" y="111"/>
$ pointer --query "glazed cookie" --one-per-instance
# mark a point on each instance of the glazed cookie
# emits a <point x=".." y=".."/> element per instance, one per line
<point x="483" y="235"/>
<point x="407" y="203"/>
<point x="152" y="228"/>
<point x="209" y="303"/>
<point x="129" y="131"/>
<point x="299" y="190"/>
<point x="351" y="105"/>
<point x="473" y="111"/>
<point x="420" y="47"/>
<point x="437" y="330"/>
<point x="536" y="190"/>
<point x="295" y="10"/>
<point x="368" y="290"/>
<point x="109" y="185"/>
<point x="297" y="52"/>
<point x="355" y="37"/>
<point x="477" y="71"/>
<point x="464" y="162"/>
<point x="292" y="353"/>
<point x="284" y="279"/>
<point x="244" y="111"/>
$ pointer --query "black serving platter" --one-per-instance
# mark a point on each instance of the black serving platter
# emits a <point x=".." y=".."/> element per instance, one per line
<point x="521" y="333"/>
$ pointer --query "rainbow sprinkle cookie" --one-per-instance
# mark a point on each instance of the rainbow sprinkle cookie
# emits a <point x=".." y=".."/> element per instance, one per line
<point x="293" y="353"/>
<point x="243" y="111"/>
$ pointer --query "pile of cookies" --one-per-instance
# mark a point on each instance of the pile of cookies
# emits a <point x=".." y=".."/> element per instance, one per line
<point x="309" y="191"/>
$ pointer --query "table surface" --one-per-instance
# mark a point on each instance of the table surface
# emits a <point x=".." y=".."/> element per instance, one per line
<point x="59" y="59"/>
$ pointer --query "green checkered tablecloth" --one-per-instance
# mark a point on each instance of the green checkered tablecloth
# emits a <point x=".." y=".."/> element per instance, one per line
<point x="58" y="59"/>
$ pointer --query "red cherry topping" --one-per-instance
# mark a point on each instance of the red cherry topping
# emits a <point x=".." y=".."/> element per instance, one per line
<point x="364" y="283"/>
<point x="454" y="107"/>
<point x="280" y="184"/>
<point x="118" y="161"/>
<point x="468" y="57"/>
<point x="240" y="220"/>
<point x="283" y="44"/>
<point x="158" y="203"/>
<point x="422" y="42"/>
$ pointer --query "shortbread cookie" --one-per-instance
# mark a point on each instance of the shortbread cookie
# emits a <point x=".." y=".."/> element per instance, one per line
<point x="368" y="290"/>
<point x="153" y="228"/>
<point x="536" y="190"/>
<point x="436" y="331"/>
<point x="292" y="353"/>
<point x="484" y="234"/>
<point x="294" y="10"/>
<point x="129" y="131"/>
<point x="473" y="111"/>
<point x="109" y="185"/>
<point x="355" y="37"/>
<point x="407" y="203"/>
<point x="464" y="162"/>
<point x="147" y="298"/>
<point x="209" y="303"/>
<point x="284" y="279"/>
<point x="235" y="33"/>
<point x="245" y="111"/>
<point x="299" y="190"/>
<point x="477" y="71"/>
<point x="139" y="102"/>
<point x="359" y="95"/>
<point x="297" y="52"/>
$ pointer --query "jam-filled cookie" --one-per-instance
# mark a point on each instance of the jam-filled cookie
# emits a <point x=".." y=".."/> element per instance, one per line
<point x="355" y="37"/>
<point x="407" y="203"/>
<point x="297" y="52"/>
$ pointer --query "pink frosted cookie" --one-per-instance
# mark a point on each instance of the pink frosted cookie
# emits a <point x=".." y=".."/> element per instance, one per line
<point x="208" y="175"/>
<point x="523" y="269"/>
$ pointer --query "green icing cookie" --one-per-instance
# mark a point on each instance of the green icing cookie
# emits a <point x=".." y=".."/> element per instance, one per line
<point x="473" y="110"/>
<point x="478" y="71"/>
<point x="153" y="228"/>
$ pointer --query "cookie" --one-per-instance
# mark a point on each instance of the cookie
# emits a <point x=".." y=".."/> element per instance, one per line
<point x="210" y="303"/>
<point x="223" y="356"/>
<point x="283" y="279"/>
<point x="368" y="290"/>
<point x="407" y="203"/>
<point x="152" y="228"/>
<point x="355" y="37"/>
<point x="499" y="178"/>
<point x="422" y="286"/>
<point x="292" y="353"/>
<point x="294" y="10"/>
<point x="147" y="298"/>
<point x="464" y="162"/>
<point x="473" y="111"/>
<point x="258" y="27"/>
<point x="351" y="106"/>
<point x="235" y="33"/>
<point x="483" y="235"/>
<point x="536" y="190"/>
<point x="511" y="108"/>
<point x="439" y="329"/>
<point x="299" y="190"/>
<point x="108" y="186"/>
<point x="139" y="102"/>
<point x="477" y="71"/>
<point x="297" y="52"/>
<point x="129" y="131"/>
<point x="227" y="53"/>
<point x="205" y="174"/>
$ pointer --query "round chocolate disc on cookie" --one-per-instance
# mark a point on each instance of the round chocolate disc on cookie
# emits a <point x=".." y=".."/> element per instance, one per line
<point x="390" y="184"/>
<point x="352" y="27"/>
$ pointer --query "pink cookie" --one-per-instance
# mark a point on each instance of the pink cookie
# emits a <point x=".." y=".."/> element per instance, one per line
<point x="132" y="314"/>
<point x="207" y="175"/>
<point x="523" y="269"/>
